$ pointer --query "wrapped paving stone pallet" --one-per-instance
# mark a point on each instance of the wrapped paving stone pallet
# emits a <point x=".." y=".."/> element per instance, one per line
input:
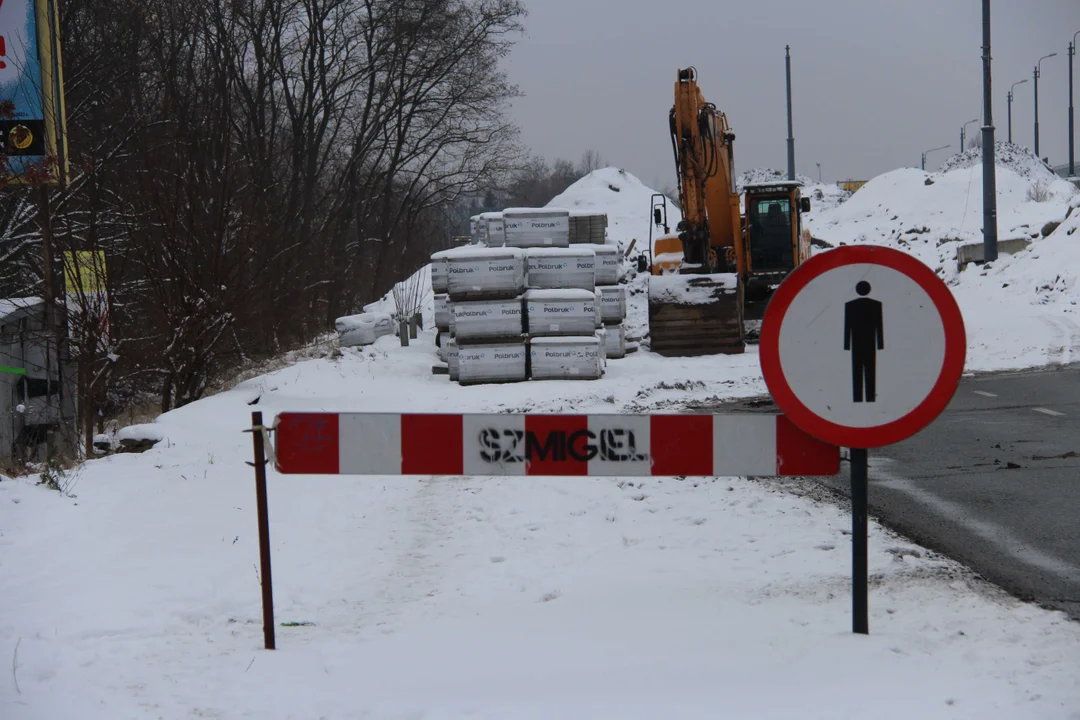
<point x="480" y="272"/>
<point x="438" y="271"/>
<point x="608" y="262"/>
<point x="536" y="227"/>
<point x="492" y="229"/>
<point x="612" y="304"/>
<point x="442" y="312"/>
<point x="566" y="358"/>
<point x="452" y="352"/>
<point x="614" y="339"/>
<point x="561" y="312"/>
<point x="491" y="363"/>
<point x="551" y="268"/>
<point x="364" y="329"/>
<point x="484" y="321"/>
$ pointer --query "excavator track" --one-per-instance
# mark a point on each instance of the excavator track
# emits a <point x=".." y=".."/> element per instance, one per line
<point x="692" y="315"/>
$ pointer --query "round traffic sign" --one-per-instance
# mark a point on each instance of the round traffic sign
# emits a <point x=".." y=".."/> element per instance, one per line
<point x="862" y="346"/>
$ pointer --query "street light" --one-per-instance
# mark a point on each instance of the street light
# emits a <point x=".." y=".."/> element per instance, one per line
<point x="930" y="151"/>
<point x="1072" y="52"/>
<point x="818" y="172"/>
<point x="1038" y="72"/>
<point x="962" y="129"/>
<point x="1010" y="96"/>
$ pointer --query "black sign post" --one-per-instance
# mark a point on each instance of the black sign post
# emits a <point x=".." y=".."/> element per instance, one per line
<point x="860" y="593"/>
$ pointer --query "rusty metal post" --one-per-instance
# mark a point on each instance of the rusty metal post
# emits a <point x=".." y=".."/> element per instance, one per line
<point x="264" y="530"/>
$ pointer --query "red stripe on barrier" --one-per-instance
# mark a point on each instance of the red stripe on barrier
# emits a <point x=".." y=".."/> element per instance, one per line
<point x="681" y="444"/>
<point x="431" y="445"/>
<point x="556" y="444"/>
<point x="307" y="443"/>
<point x="798" y="453"/>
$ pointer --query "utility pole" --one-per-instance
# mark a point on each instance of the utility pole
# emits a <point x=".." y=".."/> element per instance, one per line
<point x="963" y="129"/>
<point x="818" y="172"/>
<point x="1038" y="72"/>
<point x="1072" y="132"/>
<point x="1010" y="98"/>
<point x="927" y="152"/>
<point x="990" y="249"/>
<point x="790" y="130"/>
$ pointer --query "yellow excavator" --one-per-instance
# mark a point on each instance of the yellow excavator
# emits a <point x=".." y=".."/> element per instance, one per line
<point x="721" y="266"/>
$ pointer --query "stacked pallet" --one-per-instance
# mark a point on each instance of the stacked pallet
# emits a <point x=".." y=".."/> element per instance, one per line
<point x="536" y="227"/>
<point x="588" y="228"/>
<point x="562" y="314"/>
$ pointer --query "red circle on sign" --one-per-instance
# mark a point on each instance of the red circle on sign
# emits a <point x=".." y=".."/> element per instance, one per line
<point x="952" y="367"/>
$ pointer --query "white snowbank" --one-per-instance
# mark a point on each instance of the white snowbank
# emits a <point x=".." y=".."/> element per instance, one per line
<point x="1018" y="313"/>
<point x="626" y="201"/>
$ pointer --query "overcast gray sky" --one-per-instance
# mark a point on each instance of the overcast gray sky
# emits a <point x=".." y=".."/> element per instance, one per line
<point x="875" y="82"/>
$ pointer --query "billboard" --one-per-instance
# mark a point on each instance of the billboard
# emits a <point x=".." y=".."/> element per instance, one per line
<point x="32" y="122"/>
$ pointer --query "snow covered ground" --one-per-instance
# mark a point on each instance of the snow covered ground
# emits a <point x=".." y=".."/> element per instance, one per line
<point x="135" y="593"/>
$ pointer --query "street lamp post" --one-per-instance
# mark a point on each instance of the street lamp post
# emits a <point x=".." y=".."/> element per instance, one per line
<point x="1038" y="72"/>
<point x="963" y="128"/>
<point x="1072" y="134"/>
<point x="927" y="152"/>
<point x="818" y="172"/>
<point x="1010" y="97"/>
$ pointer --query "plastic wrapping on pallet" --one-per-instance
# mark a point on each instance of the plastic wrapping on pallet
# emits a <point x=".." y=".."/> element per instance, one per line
<point x="438" y="272"/>
<point x="536" y="227"/>
<point x="487" y="320"/>
<point x="549" y="268"/>
<point x="476" y="272"/>
<point x="452" y="356"/>
<point x="614" y="339"/>
<point x="363" y="329"/>
<point x="612" y="303"/>
<point x="491" y="363"/>
<point x="561" y="312"/>
<point x="492" y="229"/>
<point x="442" y="312"/>
<point x="608" y="263"/>
<point x="566" y="358"/>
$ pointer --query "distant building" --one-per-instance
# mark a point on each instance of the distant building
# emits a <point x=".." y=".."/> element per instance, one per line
<point x="850" y="185"/>
<point x="37" y="402"/>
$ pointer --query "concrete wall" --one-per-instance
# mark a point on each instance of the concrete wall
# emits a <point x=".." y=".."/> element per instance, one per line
<point x="973" y="253"/>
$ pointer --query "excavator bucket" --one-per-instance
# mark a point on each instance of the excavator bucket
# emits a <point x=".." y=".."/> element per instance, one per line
<point x="692" y="315"/>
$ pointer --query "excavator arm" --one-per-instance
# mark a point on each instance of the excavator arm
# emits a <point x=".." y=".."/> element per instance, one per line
<point x="703" y="145"/>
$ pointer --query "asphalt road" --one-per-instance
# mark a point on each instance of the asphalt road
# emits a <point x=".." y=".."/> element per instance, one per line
<point x="994" y="482"/>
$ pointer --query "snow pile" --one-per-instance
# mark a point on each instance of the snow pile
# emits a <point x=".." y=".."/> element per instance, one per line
<point x="930" y="214"/>
<point x="626" y="200"/>
<point x="767" y="175"/>
<point x="1015" y="157"/>
<point x="517" y="597"/>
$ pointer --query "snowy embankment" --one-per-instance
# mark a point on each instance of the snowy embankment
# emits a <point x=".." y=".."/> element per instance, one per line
<point x="486" y="597"/>
<point x="1021" y="311"/>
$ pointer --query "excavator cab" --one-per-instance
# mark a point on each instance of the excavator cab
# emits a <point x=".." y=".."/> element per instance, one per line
<point x="774" y="239"/>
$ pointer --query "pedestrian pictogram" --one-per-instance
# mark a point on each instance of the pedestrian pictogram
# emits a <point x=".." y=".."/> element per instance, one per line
<point x="863" y="336"/>
<point x="824" y="354"/>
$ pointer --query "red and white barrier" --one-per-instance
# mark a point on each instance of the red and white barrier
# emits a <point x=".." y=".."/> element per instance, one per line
<point x="502" y="444"/>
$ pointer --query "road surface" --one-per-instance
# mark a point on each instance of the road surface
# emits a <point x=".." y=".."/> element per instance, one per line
<point x="994" y="482"/>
